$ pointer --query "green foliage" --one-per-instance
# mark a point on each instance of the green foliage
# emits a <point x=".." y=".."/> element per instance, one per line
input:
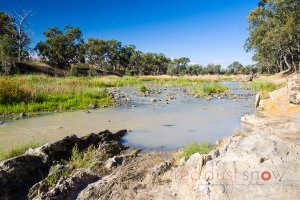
<point x="82" y="159"/>
<point x="7" y="53"/>
<point x="11" y="92"/>
<point x="62" y="48"/>
<point x="190" y="149"/>
<point x="19" y="150"/>
<point x="264" y="86"/>
<point x="205" y="89"/>
<point x="42" y="93"/>
<point x="274" y="35"/>
<point x="142" y="88"/>
<point x="52" y="179"/>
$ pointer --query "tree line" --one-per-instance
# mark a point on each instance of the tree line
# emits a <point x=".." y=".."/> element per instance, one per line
<point x="66" y="48"/>
<point x="275" y="35"/>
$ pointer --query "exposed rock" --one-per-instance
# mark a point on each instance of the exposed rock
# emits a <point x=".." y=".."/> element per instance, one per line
<point x="92" y="106"/>
<point x="68" y="188"/>
<point x="209" y="98"/>
<point x="153" y="100"/>
<point x="23" y="114"/>
<point x="161" y="168"/>
<point x="2" y="123"/>
<point x="293" y="87"/>
<point x="252" y="120"/>
<point x="194" y="160"/>
<point x="20" y="173"/>
<point x="56" y="172"/>
<point x="114" y="162"/>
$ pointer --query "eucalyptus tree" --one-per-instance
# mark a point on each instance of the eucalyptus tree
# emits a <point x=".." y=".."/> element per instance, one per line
<point x="96" y="52"/>
<point x="275" y="35"/>
<point x="14" y="39"/>
<point x="235" y="68"/>
<point x="62" y="47"/>
<point x="180" y="64"/>
<point x="21" y="32"/>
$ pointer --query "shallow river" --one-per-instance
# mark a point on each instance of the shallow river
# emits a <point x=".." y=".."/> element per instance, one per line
<point x="152" y="125"/>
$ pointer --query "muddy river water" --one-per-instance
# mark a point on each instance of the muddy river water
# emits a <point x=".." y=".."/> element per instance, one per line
<point x="153" y="123"/>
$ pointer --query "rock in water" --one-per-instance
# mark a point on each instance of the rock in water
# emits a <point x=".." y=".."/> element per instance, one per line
<point x="293" y="87"/>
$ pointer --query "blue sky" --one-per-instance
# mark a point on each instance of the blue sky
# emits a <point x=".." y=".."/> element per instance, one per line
<point x="206" y="31"/>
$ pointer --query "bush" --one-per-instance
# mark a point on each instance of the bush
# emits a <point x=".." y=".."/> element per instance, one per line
<point x="11" y="92"/>
<point x="264" y="86"/>
<point x="142" y="88"/>
<point x="205" y="89"/>
<point x="190" y="149"/>
<point x="82" y="159"/>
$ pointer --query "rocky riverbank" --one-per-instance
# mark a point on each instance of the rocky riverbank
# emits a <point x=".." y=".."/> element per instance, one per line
<point x="262" y="162"/>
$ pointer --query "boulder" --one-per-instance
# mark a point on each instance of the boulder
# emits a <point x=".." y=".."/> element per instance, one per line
<point x="193" y="160"/>
<point x="68" y="188"/>
<point x="252" y="120"/>
<point x="293" y="87"/>
<point x="161" y="168"/>
<point x="22" y="172"/>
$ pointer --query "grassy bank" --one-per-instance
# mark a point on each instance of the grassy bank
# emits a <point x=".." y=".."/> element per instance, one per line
<point x="40" y="93"/>
<point x="264" y="86"/>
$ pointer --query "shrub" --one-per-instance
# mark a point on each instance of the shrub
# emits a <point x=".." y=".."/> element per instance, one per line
<point x="205" y="89"/>
<point x="11" y="92"/>
<point x="52" y="179"/>
<point x="142" y="88"/>
<point x="264" y="86"/>
<point x="82" y="159"/>
<point x="190" y="149"/>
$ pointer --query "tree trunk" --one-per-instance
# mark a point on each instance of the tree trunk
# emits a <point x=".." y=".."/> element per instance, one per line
<point x="290" y="69"/>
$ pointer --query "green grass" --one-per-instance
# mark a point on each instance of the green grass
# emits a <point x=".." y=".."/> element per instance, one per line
<point x="190" y="149"/>
<point x="40" y="93"/>
<point x="52" y="179"/>
<point x="19" y="150"/>
<point x="37" y="93"/>
<point x="142" y="88"/>
<point x="172" y="81"/>
<point x="82" y="159"/>
<point x="264" y="86"/>
<point x="205" y="89"/>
